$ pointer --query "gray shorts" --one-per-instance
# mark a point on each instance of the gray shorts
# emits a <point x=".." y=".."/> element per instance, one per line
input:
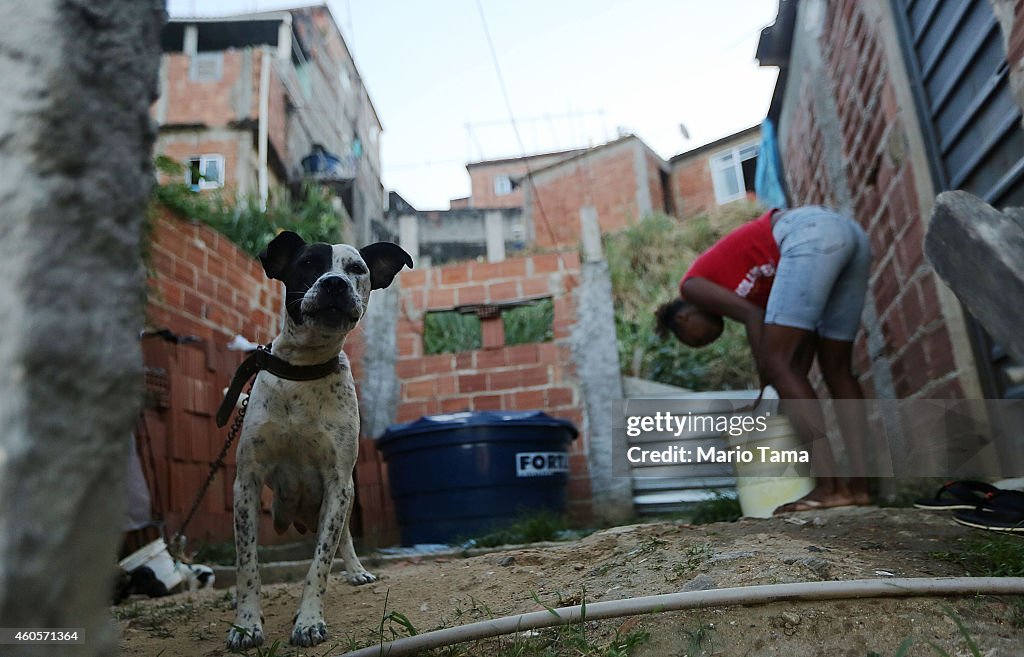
<point x="822" y="277"/>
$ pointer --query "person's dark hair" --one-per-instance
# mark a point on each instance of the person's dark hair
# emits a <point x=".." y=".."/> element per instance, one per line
<point x="664" y="315"/>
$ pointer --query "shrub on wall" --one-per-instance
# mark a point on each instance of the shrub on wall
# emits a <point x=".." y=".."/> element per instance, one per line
<point x="646" y="262"/>
<point x="312" y="215"/>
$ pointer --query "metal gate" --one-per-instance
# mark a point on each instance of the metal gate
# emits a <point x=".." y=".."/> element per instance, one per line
<point x="956" y="59"/>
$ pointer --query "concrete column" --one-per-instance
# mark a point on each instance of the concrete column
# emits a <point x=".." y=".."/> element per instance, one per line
<point x="590" y="234"/>
<point x="379" y="387"/>
<point x="494" y="232"/>
<point x="596" y="356"/>
<point x="79" y="79"/>
<point x="409" y="235"/>
<point x="190" y="43"/>
<point x="284" y="39"/>
<point x="644" y="204"/>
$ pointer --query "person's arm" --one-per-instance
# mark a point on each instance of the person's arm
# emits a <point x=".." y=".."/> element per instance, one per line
<point x="713" y="298"/>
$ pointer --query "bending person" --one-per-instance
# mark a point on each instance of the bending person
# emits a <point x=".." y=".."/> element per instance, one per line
<point x="796" y="279"/>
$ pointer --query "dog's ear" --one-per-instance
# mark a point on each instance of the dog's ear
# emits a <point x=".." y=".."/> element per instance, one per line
<point x="279" y="252"/>
<point x="384" y="260"/>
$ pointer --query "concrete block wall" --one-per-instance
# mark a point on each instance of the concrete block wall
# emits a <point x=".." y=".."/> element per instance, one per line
<point x="538" y="376"/>
<point x="878" y="184"/>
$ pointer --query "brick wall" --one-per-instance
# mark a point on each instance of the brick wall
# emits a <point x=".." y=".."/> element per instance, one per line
<point x="692" y="187"/>
<point x="180" y="146"/>
<point x="604" y="178"/>
<point x="482" y="175"/>
<point x="206" y="103"/>
<point x="880" y="180"/>
<point x="497" y="377"/>
<point x="200" y="284"/>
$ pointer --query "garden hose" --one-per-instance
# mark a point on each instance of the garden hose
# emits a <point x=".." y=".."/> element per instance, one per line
<point x="743" y="595"/>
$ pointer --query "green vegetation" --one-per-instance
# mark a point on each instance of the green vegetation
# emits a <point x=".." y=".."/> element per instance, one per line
<point x="312" y="215"/>
<point x="720" y="508"/>
<point x="531" y="527"/>
<point x="987" y="554"/>
<point x="450" y="332"/>
<point x="646" y="262"/>
<point x="530" y="323"/>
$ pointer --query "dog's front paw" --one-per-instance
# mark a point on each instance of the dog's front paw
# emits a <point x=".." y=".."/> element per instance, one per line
<point x="359" y="578"/>
<point x="243" y="638"/>
<point x="309" y="634"/>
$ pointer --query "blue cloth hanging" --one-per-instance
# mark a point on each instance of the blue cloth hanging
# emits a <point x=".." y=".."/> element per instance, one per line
<point x="768" y="184"/>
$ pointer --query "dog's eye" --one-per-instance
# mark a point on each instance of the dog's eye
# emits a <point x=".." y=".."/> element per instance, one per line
<point x="356" y="268"/>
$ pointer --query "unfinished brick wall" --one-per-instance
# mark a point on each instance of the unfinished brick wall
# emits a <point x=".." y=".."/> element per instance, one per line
<point x="604" y="178"/>
<point x="881" y="187"/>
<point x="200" y="284"/>
<point x="537" y="376"/>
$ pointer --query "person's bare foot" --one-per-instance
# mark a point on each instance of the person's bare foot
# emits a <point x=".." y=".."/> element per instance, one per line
<point x="824" y="496"/>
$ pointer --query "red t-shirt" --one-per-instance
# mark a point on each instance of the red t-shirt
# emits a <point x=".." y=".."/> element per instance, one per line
<point x="743" y="261"/>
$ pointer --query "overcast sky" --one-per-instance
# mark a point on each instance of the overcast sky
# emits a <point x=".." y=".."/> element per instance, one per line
<point x="576" y="71"/>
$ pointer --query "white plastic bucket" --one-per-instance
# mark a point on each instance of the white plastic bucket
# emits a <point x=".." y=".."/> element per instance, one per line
<point x="759" y="494"/>
<point x="155" y="556"/>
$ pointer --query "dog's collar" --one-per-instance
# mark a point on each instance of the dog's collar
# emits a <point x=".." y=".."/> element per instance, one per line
<point x="262" y="359"/>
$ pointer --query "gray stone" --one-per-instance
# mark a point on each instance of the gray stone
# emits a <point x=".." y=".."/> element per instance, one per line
<point x="817" y="565"/>
<point x="978" y="252"/>
<point x="75" y="158"/>
<point x="507" y="561"/>
<point x="701" y="582"/>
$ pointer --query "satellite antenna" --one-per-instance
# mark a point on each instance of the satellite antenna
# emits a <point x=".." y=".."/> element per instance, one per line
<point x="686" y="133"/>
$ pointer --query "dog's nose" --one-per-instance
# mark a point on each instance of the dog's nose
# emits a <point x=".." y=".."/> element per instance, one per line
<point x="333" y="285"/>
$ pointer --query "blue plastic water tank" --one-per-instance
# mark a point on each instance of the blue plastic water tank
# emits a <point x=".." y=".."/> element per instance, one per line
<point x="461" y="475"/>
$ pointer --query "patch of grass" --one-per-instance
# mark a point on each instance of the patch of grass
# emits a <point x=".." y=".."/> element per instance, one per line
<point x="720" y="508"/>
<point x="450" y="332"/>
<point x="700" y="640"/>
<point x="646" y="262"/>
<point x="531" y="323"/>
<point x="530" y="527"/>
<point x="987" y="554"/>
<point x="693" y="557"/>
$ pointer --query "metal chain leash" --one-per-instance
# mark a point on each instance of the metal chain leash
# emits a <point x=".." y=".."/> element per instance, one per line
<point x="177" y="541"/>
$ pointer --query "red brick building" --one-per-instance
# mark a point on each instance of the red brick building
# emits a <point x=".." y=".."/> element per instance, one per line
<point x="876" y="115"/>
<point x="496" y="183"/>
<point x="716" y="173"/>
<point x="623" y="180"/>
<point x="244" y="99"/>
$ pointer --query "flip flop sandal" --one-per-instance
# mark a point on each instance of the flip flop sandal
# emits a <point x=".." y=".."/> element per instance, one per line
<point x="1003" y="512"/>
<point x="959" y="495"/>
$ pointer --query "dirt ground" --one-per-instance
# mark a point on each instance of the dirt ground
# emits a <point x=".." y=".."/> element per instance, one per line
<point x="638" y="560"/>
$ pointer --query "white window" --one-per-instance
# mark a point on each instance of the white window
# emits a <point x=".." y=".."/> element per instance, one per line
<point x="732" y="172"/>
<point x="206" y="67"/>
<point x="502" y="185"/>
<point x="205" y="172"/>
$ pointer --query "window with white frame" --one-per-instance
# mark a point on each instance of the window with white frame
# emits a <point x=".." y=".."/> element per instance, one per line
<point x="205" y="172"/>
<point x="732" y="172"/>
<point x="502" y="185"/>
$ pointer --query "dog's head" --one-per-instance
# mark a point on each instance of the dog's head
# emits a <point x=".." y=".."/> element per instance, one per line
<point x="328" y="285"/>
